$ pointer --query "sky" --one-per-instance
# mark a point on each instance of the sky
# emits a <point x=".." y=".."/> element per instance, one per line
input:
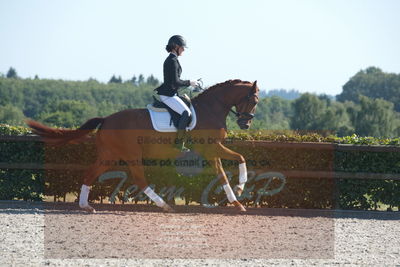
<point x="307" y="45"/>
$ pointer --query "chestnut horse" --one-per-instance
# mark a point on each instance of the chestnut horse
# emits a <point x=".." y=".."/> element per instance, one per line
<point x="118" y="138"/>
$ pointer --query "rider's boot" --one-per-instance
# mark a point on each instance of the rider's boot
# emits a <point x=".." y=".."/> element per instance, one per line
<point x="181" y="134"/>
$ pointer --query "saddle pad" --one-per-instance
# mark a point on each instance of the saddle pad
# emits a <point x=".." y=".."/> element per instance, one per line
<point x="161" y="119"/>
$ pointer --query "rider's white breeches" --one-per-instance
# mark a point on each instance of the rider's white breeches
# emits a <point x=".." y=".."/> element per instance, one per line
<point x="175" y="103"/>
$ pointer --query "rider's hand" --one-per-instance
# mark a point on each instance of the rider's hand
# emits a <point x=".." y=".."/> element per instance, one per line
<point x="194" y="83"/>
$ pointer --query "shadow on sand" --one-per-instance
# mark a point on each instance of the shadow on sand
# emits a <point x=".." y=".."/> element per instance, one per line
<point x="23" y="207"/>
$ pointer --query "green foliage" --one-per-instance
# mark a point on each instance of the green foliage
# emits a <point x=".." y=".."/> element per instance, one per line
<point x="10" y="114"/>
<point x="20" y="184"/>
<point x="307" y="112"/>
<point x="151" y="80"/>
<point x="140" y="79"/>
<point x="272" y="114"/>
<point x="68" y="113"/>
<point x="373" y="83"/>
<point x="376" y="117"/>
<point x="282" y="93"/>
<point x="12" y="73"/>
<point x="70" y="103"/>
<point x="371" y="117"/>
<point x="115" y="79"/>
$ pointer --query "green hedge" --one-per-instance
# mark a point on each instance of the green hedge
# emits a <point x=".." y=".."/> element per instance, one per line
<point x="274" y="191"/>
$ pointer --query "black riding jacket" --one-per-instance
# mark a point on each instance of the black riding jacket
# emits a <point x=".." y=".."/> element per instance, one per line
<point x="172" y="77"/>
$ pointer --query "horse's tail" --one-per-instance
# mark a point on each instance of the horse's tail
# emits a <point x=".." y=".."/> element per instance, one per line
<point x="60" y="137"/>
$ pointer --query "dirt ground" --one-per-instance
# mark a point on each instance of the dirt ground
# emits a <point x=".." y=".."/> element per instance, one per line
<point x="59" y="234"/>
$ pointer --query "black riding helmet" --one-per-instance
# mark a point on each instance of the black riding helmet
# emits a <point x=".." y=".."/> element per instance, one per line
<point x="177" y="40"/>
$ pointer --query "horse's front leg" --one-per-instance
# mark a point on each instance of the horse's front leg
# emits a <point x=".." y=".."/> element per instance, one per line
<point x="226" y="153"/>
<point x="226" y="186"/>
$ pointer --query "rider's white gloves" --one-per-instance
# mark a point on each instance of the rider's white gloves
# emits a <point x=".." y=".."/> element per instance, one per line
<point x="194" y="83"/>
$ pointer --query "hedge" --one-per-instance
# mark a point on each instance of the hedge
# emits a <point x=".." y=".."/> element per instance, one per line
<point x="266" y="186"/>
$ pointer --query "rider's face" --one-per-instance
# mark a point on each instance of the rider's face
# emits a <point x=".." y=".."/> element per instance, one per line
<point x="180" y="50"/>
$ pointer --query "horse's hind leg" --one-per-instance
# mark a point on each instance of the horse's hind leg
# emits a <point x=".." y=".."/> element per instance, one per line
<point x="90" y="176"/>
<point x="137" y="171"/>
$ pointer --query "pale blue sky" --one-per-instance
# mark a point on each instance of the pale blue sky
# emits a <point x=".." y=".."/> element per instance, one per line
<point x="308" y="45"/>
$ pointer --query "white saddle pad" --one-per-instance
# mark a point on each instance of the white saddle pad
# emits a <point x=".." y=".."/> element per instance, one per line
<point x="161" y="119"/>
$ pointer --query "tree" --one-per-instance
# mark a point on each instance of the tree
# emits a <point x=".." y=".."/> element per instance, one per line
<point x="76" y="100"/>
<point x="336" y="119"/>
<point x="12" y="73"/>
<point x="376" y="117"/>
<point x="93" y="80"/>
<point x="80" y="110"/>
<point x="10" y="114"/>
<point x="59" y="118"/>
<point x="272" y="113"/>
<point x="373" y="83"/>
<point x="133" y="80"/>
<point x="307" y="113"/>
<point x="140" y="79"/>
<point x="326" y="98"/>
<point x="151" y="80"/>
<point x="285" y="94"/>
<point x="115" y="79"/>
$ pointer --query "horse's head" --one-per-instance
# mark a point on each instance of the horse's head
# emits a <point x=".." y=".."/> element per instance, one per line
<point x="221" y="98"/>
<point x="246" y="106"/>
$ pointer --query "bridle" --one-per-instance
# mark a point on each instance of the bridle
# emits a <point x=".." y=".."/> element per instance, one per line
<point x="245" y="115"/>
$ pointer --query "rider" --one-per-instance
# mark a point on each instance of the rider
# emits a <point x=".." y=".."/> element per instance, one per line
<point x="168" y="91"/>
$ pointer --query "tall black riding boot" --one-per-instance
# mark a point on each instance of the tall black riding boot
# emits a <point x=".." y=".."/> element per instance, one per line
<point x="181" y="134"/>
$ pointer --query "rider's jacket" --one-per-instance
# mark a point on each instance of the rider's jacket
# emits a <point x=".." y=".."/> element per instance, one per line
<point x="172" y="77"/>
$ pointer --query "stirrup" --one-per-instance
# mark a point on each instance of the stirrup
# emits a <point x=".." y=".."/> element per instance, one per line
<point x="185" y="149"/>
<point x="181" y="147"/>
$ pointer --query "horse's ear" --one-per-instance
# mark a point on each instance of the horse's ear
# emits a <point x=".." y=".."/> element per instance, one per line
<point x="255" y="86"/>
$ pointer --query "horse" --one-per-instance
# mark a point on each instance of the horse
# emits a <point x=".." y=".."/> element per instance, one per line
<point x="118" y="136"/>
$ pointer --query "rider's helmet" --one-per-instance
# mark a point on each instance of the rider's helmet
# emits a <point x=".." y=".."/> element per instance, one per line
<point x="176" y="40"/>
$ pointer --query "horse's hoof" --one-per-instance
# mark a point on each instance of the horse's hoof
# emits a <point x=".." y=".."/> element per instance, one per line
<point x="237" y="190"/>
<point x="167" y="208"/>
<point x="88" y="208"/>
<point x="239" y="206"/>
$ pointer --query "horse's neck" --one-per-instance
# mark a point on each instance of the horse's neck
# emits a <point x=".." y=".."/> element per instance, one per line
<point x="213" y="106"/>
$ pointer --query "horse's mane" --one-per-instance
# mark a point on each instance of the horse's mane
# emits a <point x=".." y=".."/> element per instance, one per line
<point x="220" y="85"/>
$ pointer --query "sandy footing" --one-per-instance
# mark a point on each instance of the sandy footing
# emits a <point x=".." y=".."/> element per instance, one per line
<point x="135" y="235"/>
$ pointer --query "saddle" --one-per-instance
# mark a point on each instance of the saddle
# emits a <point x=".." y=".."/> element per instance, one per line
<point x="165" y="119"/>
